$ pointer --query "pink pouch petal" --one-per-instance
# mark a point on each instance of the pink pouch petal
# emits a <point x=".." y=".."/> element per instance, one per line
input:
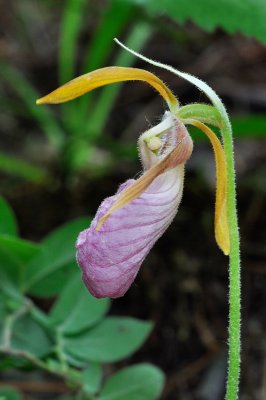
<point x="111" y="257"/>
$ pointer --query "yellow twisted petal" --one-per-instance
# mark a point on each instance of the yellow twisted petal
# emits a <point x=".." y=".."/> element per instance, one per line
<point x="220" y="219"/>
<point x="105" y="76"/>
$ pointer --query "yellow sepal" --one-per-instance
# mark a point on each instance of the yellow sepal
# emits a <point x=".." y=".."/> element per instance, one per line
<point x="220" y="219"/>
<point x="105" y="76"/>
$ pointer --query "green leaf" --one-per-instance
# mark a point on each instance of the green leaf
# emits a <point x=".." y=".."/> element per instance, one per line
<point x="62" y="241"/>
<point x="8" y="224"/>
<point x="23" y="250"/>
<point x="28" y="336"/>
<point x="113" y="339"/>
<point x="8" y="285"/>
<point x="58" y="254"/>
<point x="9" y="267"/>
<point x="74" y="13"/>
<point x="91" y="378"/>
<point x="8" y="393"/>
<point x="42" y="115"/>
<point x="3" y="312"/>
<point x="52" y="284"/>
<point x="139" y="382"/>
<point x="70" y="28"/>
<point x="233" y="16"/>
<point x="76" y="309"/>
<point x="15" y="253"/>
<point x="117" y="15"/>
<point x="75" y="361"/>
<point x="22" y="169"/>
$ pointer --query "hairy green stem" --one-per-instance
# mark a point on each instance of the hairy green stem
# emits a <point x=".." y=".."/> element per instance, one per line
<point x="234" y="272"/>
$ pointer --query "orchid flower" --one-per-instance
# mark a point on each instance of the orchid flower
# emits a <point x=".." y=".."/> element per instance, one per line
<point x="127" y="225"/>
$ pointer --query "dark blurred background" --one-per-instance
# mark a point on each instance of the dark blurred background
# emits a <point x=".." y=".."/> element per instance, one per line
<point x="58" y="163"/>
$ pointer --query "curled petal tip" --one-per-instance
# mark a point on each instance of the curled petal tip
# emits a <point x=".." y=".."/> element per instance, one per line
<point x="47" y="100"/>
<point x="222" y="230"/>
<point x="226" y="251"/>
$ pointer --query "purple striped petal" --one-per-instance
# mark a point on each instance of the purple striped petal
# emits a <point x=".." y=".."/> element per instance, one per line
<point x="111" y="257"/>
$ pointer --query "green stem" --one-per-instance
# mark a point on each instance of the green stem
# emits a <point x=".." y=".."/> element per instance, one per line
<point x="234" y="271"/>
<point x="65" y="375"/>
<point x="234" y="261"/>
<point x="9" y="322"/>
<point x="59" y="349"/>
<point x="63" y="372"/>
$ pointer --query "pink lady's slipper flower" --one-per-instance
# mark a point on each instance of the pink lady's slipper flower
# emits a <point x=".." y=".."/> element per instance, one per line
<point x="127" y="225"/>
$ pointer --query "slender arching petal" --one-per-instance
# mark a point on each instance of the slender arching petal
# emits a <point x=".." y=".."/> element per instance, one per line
<point x="221" y="218"/>
<point x="105" y="76"/>
<point x="111" y="256"/>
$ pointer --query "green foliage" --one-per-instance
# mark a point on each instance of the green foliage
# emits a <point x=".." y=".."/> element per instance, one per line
<point x="16" y="254"/>
<point x="91" y="377"/>
<point x="8" y="393"/>
<point x="51" y="267"/>
<point x="73" y="137"/>
<point x="75" y="337"/>
<point x="75" y="309"/>
<point x="139" y="382"/>
<point x="28" y="336"/>
<point x="116" y="17"/>
<point x="28" y="94"/>
<point x="70" y="27"/>
<point x="113" y="339"/>
<point x="13" y="166"/>
<point x="233" y="16"/>
<point x="8" y="220"/>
